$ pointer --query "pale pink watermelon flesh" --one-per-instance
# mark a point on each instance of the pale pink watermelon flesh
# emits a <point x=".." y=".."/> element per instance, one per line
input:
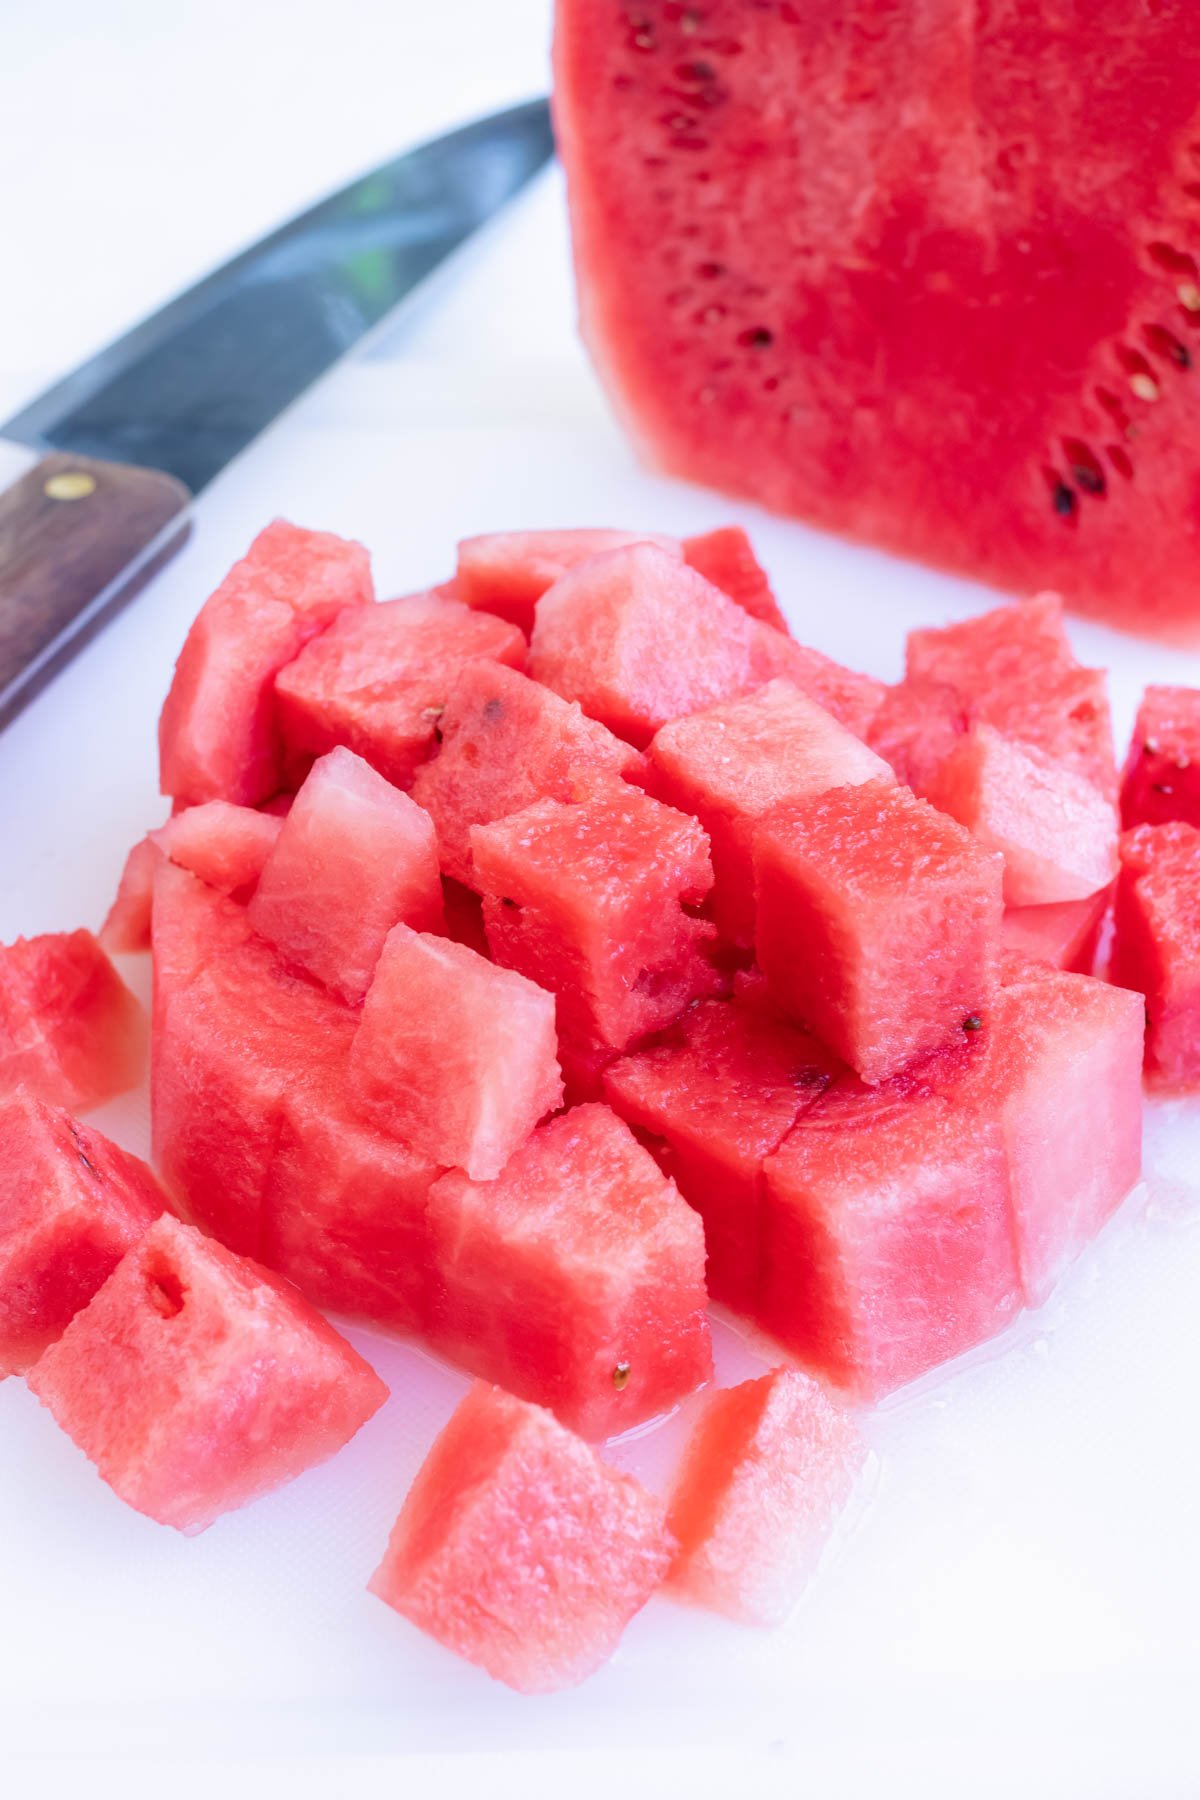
<point x="767" y="1470"/>
<point x="71" y="1205"/>
<point x="505" y="742"/>
<point x="453" y="1056"/>
<point x="589" y="901"/>
<point x="354" y="857"/>
<point x="196" y="1381"/>
<point x="1161" y="779"/>
<point x="576" y="1279"/>
<point x="225" y="845"/>
<point x="519" y="1550"/>
<point x="730" y="764"/>
<point x="126" y="928"/>
<point x="1156" y="947"/>
<point x="795" y="231"/>
<point x="377" y="681"/>
<point x="878" y="922"/>
<point x="218" y="734"/>
<point x="70" y="1030"/>
<point x="1066" y="936"/>
<point x="507" y="572"/>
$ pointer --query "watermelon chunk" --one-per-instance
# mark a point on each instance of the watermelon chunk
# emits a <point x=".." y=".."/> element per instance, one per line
<point x="218" y="737"/>
<point x="878" y="922"/>
<point x="1056" y="831"/>
<point x="453" y="1056"/>
<point x="576" y="1279"/>
<point x="507" y="741"/>
<point x="716" y="1099"/>
<point x="519" y="1550"/>
<point x="196" y="1381"/>
<point x="1161" y="779"/>
<point x="507" y="572"/>
<point x="1066" y="936"/>
<point x="354" y="857"/>
<point x="126" y="928"/>
<point x="588" y="900"/>
<point x="1156" y="948"/>
<point x="887" y="1235"/>
<point x="798" y="227"/>
<point x="725" y="558"/>
<point x="71" y="1204"/>
<point x="767" y="1470"/>
<point x="225" y="845"/>
<point x="70" y="1030"/>
<point x="377" y="681"/>
<point x="732" y="763"/>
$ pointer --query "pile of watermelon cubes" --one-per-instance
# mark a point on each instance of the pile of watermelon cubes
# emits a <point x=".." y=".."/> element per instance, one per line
<point x="538" y="959"/>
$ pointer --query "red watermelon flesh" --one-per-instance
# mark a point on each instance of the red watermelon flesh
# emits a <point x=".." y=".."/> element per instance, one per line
<point x="1066" y="936"/>
<point x="716" y="1098"/>
<point x="507" y="741"/>
<point x="831" y="257"/>
<point x="888" y="1238"/>
<point x="588" y="900"/>
<point x="878" y="922"/>
<point x="463" y="909"/>
<point x="1055" y="830"/>
<point x="71" y="1204"/>
<point x="453" y="1056"/>
<point x="725" y="558"/>
<point x="70" y="1030"/>
<point x="519" y="1550"/>
<point x="196" y="1381"/>
<point x="1161" y="779"/>
<point x="218" y="735"/>
<point x="732" y="763"/>
<point x="126" y="928"/>
<point x="354" y="857"/>
<point x="916" y="727"/>
<point x="378" y="680"/>
<point x="1060" y="1072"/>
<point x="1156" y="948"/>
<point x="225" y="845"/>
<point x="576" y="1279"/>
<point x="507" y="572"/>
<point x="767" y="1470"/>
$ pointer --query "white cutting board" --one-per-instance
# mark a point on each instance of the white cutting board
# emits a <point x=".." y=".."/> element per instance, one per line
<point x="1023" y="1573"/>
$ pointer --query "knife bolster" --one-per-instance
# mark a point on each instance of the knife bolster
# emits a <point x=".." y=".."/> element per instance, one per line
<point x="78" y="538"/>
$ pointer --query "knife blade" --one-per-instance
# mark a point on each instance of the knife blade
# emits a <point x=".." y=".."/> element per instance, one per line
<point x="131" y="436"/>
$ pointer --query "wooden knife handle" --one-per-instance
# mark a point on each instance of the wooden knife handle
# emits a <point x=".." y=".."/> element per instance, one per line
<point x="78" y="538"/>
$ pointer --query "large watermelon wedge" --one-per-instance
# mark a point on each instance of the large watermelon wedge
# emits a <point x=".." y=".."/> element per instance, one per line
<point x="924" y="273"/>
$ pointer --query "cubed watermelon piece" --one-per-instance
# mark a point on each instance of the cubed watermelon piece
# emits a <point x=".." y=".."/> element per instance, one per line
<point x="878" y="922"/>
<point x="717" y="1098"/>
<point x="1161" y="779"/>
<point x="237" y="1037"/>
<point x="126" y="928"/>
<point x="576" y="1279"/>
<point x="225" y="845"/>
<point x="505" y="742"/>
<point x="453" y="1056"/>
<point x="916" y="726"/>
<point x="992" y="650"/>
<point x="887" y="1235"/>
<point x="1067" y="936"/>
<point x="507" y="572"/>
<point x="218" y="736"/>
<point x="1156" y="947"/>
<point x="1056" y="831"/>
<point x="354" y="857"/>
<point x="1060" y="1070"/>
<point x="588" y="900"/>
<point x="378" y="680"/>
<point x="768" y="1469"/>
<point x="71" y="1204"/>
<point x="518" y="1549"/>
<point x="196" y="1381"/>
<point x="726" y="558"/>
<point x="732" y="763"/>
<point x="70" y="1030"/>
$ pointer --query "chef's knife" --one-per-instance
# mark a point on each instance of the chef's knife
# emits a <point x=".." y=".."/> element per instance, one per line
<point x="125" y="442"/>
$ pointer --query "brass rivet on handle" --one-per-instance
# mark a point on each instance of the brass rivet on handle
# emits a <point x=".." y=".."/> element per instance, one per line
<point x="72" y="484"/>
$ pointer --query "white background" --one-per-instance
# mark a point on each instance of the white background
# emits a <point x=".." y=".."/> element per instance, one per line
<point x="1016" y="1607"/>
